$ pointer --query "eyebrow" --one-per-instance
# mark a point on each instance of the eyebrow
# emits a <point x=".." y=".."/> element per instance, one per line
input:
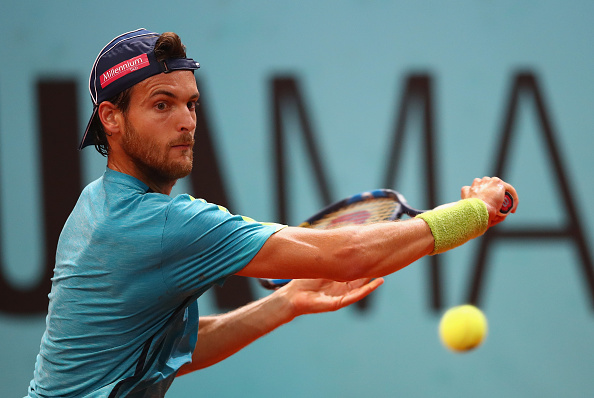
<point x="167" y="93"/>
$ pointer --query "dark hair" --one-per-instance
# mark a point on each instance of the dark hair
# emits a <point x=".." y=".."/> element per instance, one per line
<point x="168" y="45"/>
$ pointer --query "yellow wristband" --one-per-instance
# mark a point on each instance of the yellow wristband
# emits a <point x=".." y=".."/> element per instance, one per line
<point x="455" y="224"/>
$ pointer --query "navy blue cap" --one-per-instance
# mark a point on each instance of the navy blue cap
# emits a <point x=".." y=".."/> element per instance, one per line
<point x="125" y="61"/>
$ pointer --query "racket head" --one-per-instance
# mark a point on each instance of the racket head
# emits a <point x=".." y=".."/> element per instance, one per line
<point x="361" y="209"/>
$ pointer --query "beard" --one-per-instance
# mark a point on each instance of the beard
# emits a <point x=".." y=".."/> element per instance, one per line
<point x="152" y="159"/>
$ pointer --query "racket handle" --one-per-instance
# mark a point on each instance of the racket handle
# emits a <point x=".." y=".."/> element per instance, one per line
<point x="508" y="204"/>
<point x="273" y="284"/>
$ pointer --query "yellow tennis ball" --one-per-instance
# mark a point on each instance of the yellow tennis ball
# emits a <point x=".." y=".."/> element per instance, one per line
<point x="463" y="328"/>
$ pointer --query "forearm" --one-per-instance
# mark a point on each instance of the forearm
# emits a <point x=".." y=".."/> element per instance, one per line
<point x="343" y="254"/>
<point x="373" y="250"/>
<point x="386" y="248"/>
<point x="441" y="229"/>
<point x="221" y="336"/>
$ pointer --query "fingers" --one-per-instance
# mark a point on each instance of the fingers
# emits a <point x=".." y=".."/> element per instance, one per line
<point x="506" y="188"/>
<point x="310" y="296"/>
<point x="491" y="190"/>
<point x="359" y="292"/>
<point x="359" y="283"/>
<point x="464" y="192"/>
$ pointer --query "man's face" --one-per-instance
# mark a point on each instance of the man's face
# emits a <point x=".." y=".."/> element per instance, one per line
<point x="160" y="124"/>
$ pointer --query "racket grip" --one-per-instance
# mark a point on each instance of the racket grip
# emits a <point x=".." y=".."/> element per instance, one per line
<point x="508" y="204"/>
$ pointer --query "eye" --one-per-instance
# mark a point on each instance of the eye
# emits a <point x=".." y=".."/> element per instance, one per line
<point x="161" y="106"/>
<point x="193" y="105"/>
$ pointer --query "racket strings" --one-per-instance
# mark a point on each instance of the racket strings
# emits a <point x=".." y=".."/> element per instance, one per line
<point x="358" y="213"/>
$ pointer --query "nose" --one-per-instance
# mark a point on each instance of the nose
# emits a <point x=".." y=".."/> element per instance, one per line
<point x="187" y="120"/>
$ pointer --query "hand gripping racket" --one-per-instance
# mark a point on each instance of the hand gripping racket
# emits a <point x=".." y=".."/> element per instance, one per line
<point x="363" y="208"/>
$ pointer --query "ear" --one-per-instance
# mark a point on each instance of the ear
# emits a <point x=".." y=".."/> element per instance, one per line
<point x="111" y="118"/>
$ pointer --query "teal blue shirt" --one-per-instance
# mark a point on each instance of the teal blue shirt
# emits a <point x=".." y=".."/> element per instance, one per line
<point x="130" y="265"/>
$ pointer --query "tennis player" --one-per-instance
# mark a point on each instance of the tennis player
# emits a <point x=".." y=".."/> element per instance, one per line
<point x="132" y="261"/>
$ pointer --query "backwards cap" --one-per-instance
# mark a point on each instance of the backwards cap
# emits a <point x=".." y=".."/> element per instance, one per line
<point x="125" y="61"/>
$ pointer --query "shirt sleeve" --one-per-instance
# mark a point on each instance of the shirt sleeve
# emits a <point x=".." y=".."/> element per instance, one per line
<point x="203" y="244"/>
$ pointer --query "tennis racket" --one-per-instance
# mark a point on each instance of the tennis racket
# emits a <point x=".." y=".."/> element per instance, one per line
<point x="363" y="208"/>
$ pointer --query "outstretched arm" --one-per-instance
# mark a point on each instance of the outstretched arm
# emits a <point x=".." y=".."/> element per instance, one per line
<point x="221" y="336"/>
<point x="376" y="250"/>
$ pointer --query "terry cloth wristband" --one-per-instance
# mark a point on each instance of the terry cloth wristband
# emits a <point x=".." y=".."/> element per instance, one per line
<point x="455" y="224"/>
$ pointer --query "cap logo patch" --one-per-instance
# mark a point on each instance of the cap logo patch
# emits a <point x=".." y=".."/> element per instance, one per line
<point x="123" y="68"/>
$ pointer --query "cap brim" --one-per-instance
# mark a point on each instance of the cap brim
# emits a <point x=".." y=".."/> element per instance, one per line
<point x="89" y="137"/>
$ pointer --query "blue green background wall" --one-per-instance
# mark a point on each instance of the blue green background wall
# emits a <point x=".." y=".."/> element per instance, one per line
<point x="352" y="60"/>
